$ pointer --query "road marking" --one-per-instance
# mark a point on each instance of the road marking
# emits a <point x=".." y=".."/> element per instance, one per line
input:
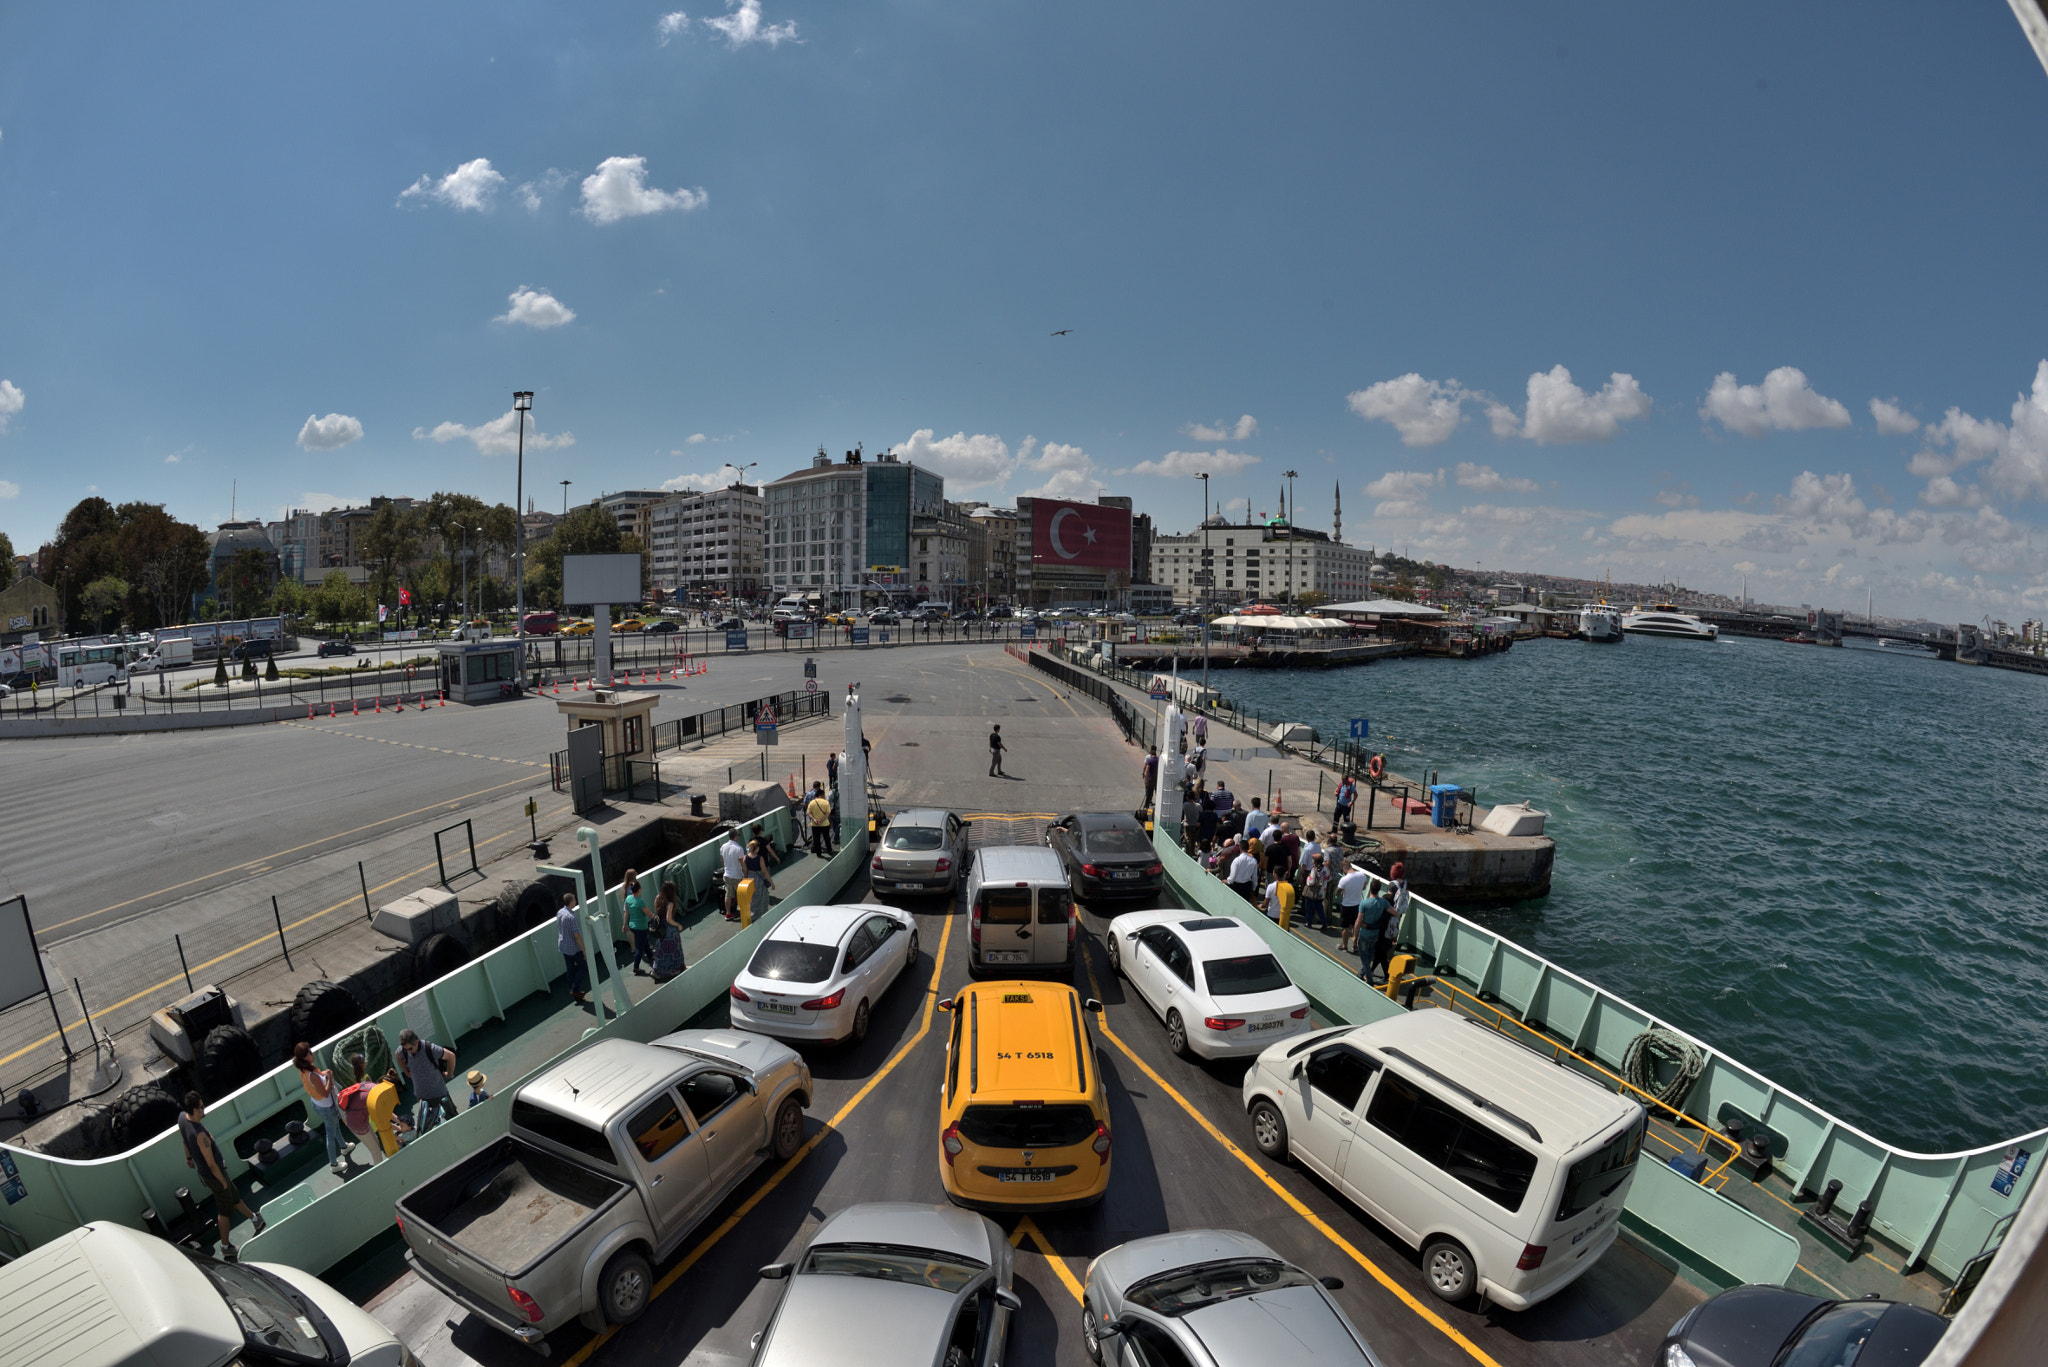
<point x="270" y="858"/>
<point x="1028" y="1228"/>
<point x="760" y="1193"/>
<point x="1320" y="1225"/>
<point x="409" y="745"/>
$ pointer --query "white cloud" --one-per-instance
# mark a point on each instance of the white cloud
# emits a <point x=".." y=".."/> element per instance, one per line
<point x="670" y="27"/>
<point x="1063" y="471"/>
<point x="1823" y="498"/>
<point x="469" y="186"/>
<point x="1892" y="420"/>
<point x="1424" y="412"/>
<point x="1244" y="428"/>
<point x="970" y="462"/>
<point x="12" y="400"/>
<point x="1404" y="484"/>
<point x="320" y="503"/>
<point x="743" y="26"/>
<point x="1784" y="402"/>
<point x="715" y="480"/>
<point x="1943" y="492"/>
<point x="695" y="439"/>
<point x="618" y="189"/>
<point x="1486" y="479"/>
<point x="2021" y="468"/>
<point x="498" y="437"/>
<point x="536" y="309"/>
<point x="173" y="458"/>
<point x="1559" y="411"/>
<point x="9" y="489"/>
<point x="330" y="433"/>
<point x="533" y="193"/>
<point x="1680" y="497"/>
<point x="1177" y="464"/>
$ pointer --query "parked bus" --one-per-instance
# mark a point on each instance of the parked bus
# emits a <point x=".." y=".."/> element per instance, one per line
<point x="541" y="623"/>
<point x="84" y="664"/>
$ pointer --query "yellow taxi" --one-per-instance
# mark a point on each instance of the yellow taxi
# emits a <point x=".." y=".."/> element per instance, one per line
<point x="1023" y="1122"/>
<point x="839" y="619"/>
<point x="579" y="629"/>
<point x="630" y="624"/>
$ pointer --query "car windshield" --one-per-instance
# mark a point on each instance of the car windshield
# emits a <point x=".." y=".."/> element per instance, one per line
<point x="1117" y="840"/>
<point x="1836" y="1338"/>
<point x="1027" y="1127"/>
<point x="1244" y="975"/>
<point x="790" y="961"/>
<point x="1189" y="1288"/>
<point x="947" y="1272"/>
<point x="914" y="838"/>
<point x="274" y="1324"/>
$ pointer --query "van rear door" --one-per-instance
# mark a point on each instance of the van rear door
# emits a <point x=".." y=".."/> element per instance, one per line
<point x="1051" y="939"/>
<point x="1005" y="915"/>
<point x="1579" y="1217"/>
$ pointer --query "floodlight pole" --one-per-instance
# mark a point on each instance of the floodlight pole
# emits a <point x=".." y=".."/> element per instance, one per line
<point x="1208" y="581"/>
<point x="522" y="402"/>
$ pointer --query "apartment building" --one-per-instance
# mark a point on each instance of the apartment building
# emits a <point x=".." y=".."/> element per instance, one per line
<point x="703" y="543"/>
<point x="1272" y="561"/>
<point x="841" y="529"/>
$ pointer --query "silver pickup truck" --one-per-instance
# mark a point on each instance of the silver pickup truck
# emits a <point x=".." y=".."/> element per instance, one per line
<point x="614" y="1155"/>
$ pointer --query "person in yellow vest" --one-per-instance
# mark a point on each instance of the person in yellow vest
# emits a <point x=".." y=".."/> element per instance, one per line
<point x="1280" y="900"/>
<point x="384" y="1122"/>
<point x="819" y="810"/>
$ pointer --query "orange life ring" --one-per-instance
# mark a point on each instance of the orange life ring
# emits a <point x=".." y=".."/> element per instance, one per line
<point x="1378" y="768"/>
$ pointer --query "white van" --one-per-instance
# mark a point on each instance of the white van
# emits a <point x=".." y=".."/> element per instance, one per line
<point x="1506" y="1169"/>
<point x="1021" y="916"/>
<point x="105" y="1295"/>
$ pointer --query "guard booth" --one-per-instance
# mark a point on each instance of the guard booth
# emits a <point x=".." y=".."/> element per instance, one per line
<point x="477" y="671"/>
<point x="625" y="725"/>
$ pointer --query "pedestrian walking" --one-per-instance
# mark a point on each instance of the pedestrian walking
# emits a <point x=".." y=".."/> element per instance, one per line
<point x="995" y="751"/>
<point x="1206" y="823"/>
<point x="1341" y="804"/>
<point x="569" y="940"/>
<point x="1201" y="730"/>
<point x="668" y="929"/>
<point x="1190" y="821"/>
<point x="1372" y="916"/>
<point x="733" y="853"/>
<point x="430" y="1067"/>
<point x="319" y="1085"/>
<point x="478" y="1093"/>
<point x="1315" y="886"/>
<point x="755" y="866"/>
<point x="1223" y="800"/>
<point x="819" y="810"/>
<point x="832" y="769"/>
<point x="1244" y="876"/>
<point x="1198" y="760"/>
<point x="1383" y="951"/>
<point x="1149" y="770"/>
<point x="1255" y="820"/>
<point x="203" y="1154"/>
<point x="638" y="925"/>
<point x="1350" y="892"/>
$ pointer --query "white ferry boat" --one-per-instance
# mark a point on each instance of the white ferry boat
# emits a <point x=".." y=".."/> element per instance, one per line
<point x="1665" y="620"/>
<point x="1601" y="623"/>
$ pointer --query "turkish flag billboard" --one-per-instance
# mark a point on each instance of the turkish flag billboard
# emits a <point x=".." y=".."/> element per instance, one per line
<point x="1082" y="535"/>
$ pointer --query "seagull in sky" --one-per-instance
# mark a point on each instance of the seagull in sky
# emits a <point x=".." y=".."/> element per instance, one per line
<point x="1062" y="332"/>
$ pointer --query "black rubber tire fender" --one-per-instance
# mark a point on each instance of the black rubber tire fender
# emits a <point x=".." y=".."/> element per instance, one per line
<point x="534" y="906"/>
<point x="227" y="1059"/>
<point x="140" y="1115"/>
<point x="321" y="1010"/>
<point x="439" y="955"/>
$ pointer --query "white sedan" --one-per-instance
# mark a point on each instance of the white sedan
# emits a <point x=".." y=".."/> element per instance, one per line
<point x="819" y="971"/>
<point x="1212" y="980"/>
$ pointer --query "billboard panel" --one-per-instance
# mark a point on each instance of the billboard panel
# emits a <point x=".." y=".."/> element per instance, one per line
<point x="1080" y="535"/>
<point x="588" y="579"/>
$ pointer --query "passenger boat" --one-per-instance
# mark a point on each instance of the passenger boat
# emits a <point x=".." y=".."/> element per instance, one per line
<point x="1600" y="623"/>
<point x="1905" y="647"/>
<point x="1666" y="620"/>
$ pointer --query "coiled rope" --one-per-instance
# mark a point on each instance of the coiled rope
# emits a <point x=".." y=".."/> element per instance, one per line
<point x="1658" y="1045"/>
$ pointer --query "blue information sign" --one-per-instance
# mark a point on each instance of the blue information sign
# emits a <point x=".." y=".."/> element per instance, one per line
<point x="1027" y="632"/>
<point x="883" y="632"/>
<point x="735" y="640"/>
<point x="860" y="636"/>
<point x="1360" y="728"/>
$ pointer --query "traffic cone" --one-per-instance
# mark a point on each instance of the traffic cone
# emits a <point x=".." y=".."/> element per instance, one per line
<point x="444" y="697"/>
<point x="309" y="711"/>
<point x="398" y="703"/>
<point x="792" y="787"/>
<point x="380" y="700"/>
<point x="355" y="709"/>
<point x="330" y="711"/>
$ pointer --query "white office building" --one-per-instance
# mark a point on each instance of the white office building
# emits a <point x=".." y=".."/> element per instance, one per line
<point x="707" y="542"/>
<point x="1271" y="562"/>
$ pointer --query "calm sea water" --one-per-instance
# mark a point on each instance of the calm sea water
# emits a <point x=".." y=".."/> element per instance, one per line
<point x="1828" y="863"/>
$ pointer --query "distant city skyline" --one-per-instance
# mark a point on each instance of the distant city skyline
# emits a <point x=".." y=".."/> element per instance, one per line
<point x="1565" y="289"/>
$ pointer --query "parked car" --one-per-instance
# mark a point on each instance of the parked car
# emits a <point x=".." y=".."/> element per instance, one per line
<point x="1000" y="614"/>
<point x="254" y="650"/>
<point x="662" y="626"/>
<point x="894" y="1283"/>
<point x="922" y="850"/>
<point x="1020" y="914"/>
<point x="818" y="972"/>
<point x="1106" y="854"/>
<point x="629" y="624"/>
<point x="1212" y="1296"/>
<point x="580" y="629"/>
<point x="729" y="624"/>
<point x="614" y="1155"/>
<point x="1757" y="1326"/>
<point x="883" y="618"/>
<point x="1211" y="979"/>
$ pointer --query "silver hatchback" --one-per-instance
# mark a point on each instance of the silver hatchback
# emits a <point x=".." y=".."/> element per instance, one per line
<point x="923" y="850"/>
<point x="1211" y="1298"/>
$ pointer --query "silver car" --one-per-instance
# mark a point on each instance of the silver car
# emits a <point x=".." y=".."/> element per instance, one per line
<point x="893" y="1285"/>
<point x="1212" y="1298"/>
<point x="923" y="850"/>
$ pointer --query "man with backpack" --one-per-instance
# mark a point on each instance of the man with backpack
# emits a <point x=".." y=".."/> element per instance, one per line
<point x="430" y="1067"/>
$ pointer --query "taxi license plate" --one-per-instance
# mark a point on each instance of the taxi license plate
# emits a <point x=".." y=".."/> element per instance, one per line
<point x="1003" y="956"/>
<point x="1264" y="1025"/>
<point x="1026" y="1175"/>
<point x="780" y="1008"/>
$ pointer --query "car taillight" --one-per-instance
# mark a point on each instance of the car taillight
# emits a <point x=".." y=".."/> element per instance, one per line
<point x="1090" y="871"/>
<point x="1073" y="929"/>
<point x="401" y="1225"/>
<point x="528" y="1306"/>
<point x="738" y="995"/>
<point x="826" y="1003"/>
<point x="945" y="866"/>
<point x="875" y="864"/>
<point x="1223" y="1022"/>
<point x="951" y="1144"/>
<point x="1101" y="1144"/>
<point x="1300" y="1015"/>
<point x="1532" y="1257"/>
<point x="1155" y="869"/>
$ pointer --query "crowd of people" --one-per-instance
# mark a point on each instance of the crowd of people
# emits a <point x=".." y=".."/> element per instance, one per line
<point x="1289" y="871"/>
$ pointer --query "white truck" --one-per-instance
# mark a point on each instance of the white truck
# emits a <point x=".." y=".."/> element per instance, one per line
<point x="105" y="1295"/>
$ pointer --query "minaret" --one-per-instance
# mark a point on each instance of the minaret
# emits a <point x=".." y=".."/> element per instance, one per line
<point x="1337" y="514"/>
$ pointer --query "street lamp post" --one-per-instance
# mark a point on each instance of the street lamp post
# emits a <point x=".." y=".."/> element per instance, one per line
<point x="1208" y="581"/>
<point x="465" y="573"/>
<point x="565" y="496"/>
<point x="522" y="403"/>
<point x="1289" y="476"/>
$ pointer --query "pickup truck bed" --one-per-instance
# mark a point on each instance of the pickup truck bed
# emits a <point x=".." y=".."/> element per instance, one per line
<point x="509" y="1204"/>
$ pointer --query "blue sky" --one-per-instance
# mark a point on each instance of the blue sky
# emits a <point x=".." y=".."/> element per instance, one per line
<point x="1482" y="268"/>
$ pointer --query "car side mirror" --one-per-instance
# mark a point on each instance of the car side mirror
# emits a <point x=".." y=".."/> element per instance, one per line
<point x="1299" y="1066"/>
<point x="1092" y="1005"/>
<point x="1108" y="1329"/>
<point x="753" y="1087"/>
<point x="1333" y="1283"/>
<point x="776" y="1272"/>
<point x="1009" y="1299"/>
<point x="946" y="1005"/>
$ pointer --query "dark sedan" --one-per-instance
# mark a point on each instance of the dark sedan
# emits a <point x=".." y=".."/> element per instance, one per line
<point x="1107" y="854"/>
<point x="1758" y="1326"/>
<point x="337" y="646"/>
<point x="663" y="626"/>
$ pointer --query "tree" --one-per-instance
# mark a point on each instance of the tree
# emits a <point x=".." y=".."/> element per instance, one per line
<point x="6" y="562"/>
<point x="337" y="601"/>
<point x="585" y="531"/>
<point x="165" y="561"/>
<point x="245" y="583"/>
<point x="290" y="598"/>
<point x="103" y="598"/>
<point x="390" y="545"/>
<point x="83" y="551"/>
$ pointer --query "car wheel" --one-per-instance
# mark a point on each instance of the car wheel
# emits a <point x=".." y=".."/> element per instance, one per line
<point x="1448" y="1269"/>
<point x="623" y="1287"/>
<point x="1088" y="1339"/>
<point x="910" y="953"/>
<point x="860" y="1024"/>
<point x="1177" y="1036"/>
<point x="789" y="1129"/>
<point x="1269" y="1130"/>
<point x="1116" y="962"/>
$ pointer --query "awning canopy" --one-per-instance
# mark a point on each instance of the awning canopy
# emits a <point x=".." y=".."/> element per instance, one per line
<point x="1282" y="623"/>
<point x="1387" y="607"/>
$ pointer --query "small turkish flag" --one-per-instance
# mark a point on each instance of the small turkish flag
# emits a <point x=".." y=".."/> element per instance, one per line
<point x="405" y="598"/>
